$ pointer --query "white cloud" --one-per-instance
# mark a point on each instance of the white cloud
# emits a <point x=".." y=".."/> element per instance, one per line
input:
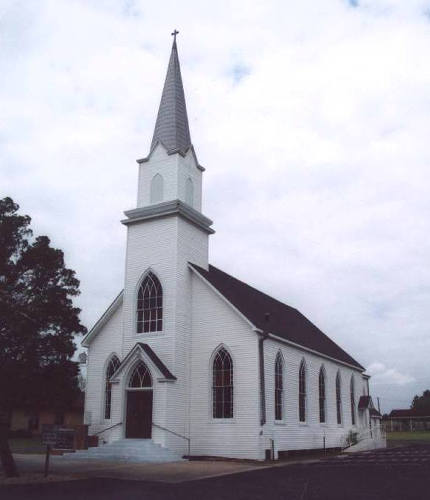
<point x="383" y="375"/>
<point x="317" y="158"/>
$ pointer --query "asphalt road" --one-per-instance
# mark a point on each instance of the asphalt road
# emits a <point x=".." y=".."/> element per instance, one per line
<point x="394" y="474"/>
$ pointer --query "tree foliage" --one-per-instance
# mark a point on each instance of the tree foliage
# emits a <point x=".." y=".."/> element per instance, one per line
<point x="422" y="402"/>
<point x="38" y="320"/>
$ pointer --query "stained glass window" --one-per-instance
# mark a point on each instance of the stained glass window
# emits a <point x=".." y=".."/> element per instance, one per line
<point x="279" y="387"/>
<point x="150" y="305"/>
<point x="110" y="370"/>
<point x="222" y="385"/>
<point x="302" y="392"/>
<point x="321" y="385"/>
<point x="141" y="377"/>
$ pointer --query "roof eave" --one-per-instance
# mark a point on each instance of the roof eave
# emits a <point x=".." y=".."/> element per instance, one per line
<point x="308" y="349"/>
<point x="104" y="318"/>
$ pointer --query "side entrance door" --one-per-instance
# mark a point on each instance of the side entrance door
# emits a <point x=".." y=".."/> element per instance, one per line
<point x="139" y="414"/>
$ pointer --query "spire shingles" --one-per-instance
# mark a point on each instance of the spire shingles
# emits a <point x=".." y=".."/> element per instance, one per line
<point x="171" y="127"/>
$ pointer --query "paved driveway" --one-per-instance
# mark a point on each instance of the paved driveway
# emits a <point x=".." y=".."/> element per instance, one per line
<point x="397" y="474"/>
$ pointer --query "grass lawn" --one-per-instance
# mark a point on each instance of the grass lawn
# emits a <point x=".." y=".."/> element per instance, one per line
<point x="27" y="445"/>
<point x="409" y="436"/>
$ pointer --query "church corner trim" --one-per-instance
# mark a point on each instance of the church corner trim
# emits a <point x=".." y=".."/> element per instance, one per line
<point x="105" y="317"/>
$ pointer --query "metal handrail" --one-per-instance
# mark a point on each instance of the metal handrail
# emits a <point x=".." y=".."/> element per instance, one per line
<point x="176" y="434"/>
<point x="107" y="428"/>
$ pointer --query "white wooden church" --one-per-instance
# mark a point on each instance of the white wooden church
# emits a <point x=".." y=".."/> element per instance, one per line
<point x="193" y="361"/>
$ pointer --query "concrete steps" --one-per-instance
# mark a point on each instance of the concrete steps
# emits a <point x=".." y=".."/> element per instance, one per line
<point x="127" y="450"/>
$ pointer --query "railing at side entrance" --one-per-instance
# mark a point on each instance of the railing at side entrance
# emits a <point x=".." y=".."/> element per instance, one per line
<point x="107" y="429"/>
<point x="175" y="434"/>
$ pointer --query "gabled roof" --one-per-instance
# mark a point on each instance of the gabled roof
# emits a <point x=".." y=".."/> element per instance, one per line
<point x="140" y="346"/>
<point x="373" y="412"/>
<point x="103" y="320"/>
<point x="171" y="127"/>
<point x="409" y="413"/>
<point x="285" y="321"/>
<point x="365" y="402"/>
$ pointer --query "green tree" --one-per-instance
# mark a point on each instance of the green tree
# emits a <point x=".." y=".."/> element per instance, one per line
<point x="422" y="402"/>
<point x="38" y="323"/>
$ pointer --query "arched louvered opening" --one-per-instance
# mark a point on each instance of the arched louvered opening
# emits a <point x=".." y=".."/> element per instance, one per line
<point x="352" y="394"/>
<point x="322" y="395"/>
<point x="222" y="385"/>
<point x="338" y="399"/>
<point x="111" y="368"/>
<point x="189" y="192"/>
<point x="150" y="305"/>
<point x="279" y="387"/>
<point x="140" y="377"/>
<point x="302" y="392"/>
<point x="157" y="188"/>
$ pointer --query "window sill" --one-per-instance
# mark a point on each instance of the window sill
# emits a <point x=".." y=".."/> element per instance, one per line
<point x="222" y="421"/>
<point x="303" y="424"/>
<point x="323" y="424"/>
<point x="147" y="335"/>
<point x="279" y="422"/>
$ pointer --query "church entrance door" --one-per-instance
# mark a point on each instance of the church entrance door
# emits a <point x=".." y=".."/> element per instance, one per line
<point x="139" y="414"/>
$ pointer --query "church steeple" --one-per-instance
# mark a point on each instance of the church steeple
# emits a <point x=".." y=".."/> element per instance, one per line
<point x="171" y="127"/>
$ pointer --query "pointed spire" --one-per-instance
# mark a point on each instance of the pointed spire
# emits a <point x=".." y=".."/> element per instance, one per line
<point x="171" y="127"/>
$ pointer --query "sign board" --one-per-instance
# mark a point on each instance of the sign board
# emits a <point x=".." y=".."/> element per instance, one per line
<point x="58" y="436"/>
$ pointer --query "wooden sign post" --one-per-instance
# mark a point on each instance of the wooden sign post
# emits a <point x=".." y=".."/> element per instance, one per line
<point x="50" y="438"/>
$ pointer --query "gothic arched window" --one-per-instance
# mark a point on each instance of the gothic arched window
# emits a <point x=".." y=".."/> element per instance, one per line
<point x="351" y="390"/>
<point x="150" y="305"/>
<point x="338" y="400"/>
<point x="302" y="392"/>
<point x="279" y="386"/>
<point x="110" y="370"/>
<point x="222" y="385"/>
<point x="157" y="187"/>
<point x="141" y="377"/>
<point x="321" y="386"/>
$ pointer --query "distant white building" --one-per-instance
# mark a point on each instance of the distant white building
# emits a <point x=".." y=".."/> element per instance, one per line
<point x="194" y="359"/>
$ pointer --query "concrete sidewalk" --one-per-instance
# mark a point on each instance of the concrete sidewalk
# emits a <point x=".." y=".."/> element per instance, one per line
<point x="31" y="468"/>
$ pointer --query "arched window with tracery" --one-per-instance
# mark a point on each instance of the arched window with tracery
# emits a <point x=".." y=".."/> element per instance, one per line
<point x="150" y="305"/>
<point x="222" y="385"/>
<point x="302" y="392"/>
<point x="322" y="397"/>
<point x="338" y="400"/>
<point x="111" y="368"/>
<point x="140" y="377"/>
<point x="279" y="387"/>
<point x="352" y="394"/>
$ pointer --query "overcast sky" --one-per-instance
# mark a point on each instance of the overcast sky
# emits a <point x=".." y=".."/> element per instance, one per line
<point x="312" y="119"/>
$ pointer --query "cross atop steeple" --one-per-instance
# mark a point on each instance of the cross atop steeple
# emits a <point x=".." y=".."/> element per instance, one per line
<point x="175" y="32"/>
<point x="171" y="127"/>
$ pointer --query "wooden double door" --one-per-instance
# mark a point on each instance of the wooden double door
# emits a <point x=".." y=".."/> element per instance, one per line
<point x="139" y="414"/>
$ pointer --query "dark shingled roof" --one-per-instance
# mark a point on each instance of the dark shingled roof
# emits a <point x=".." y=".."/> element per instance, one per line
<point x="157" y="361"/>
<point x="365" y="402"/>
<point x="285" y="321"/>
<point x="171" y="127"/>
<point x="411" y="412"/>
